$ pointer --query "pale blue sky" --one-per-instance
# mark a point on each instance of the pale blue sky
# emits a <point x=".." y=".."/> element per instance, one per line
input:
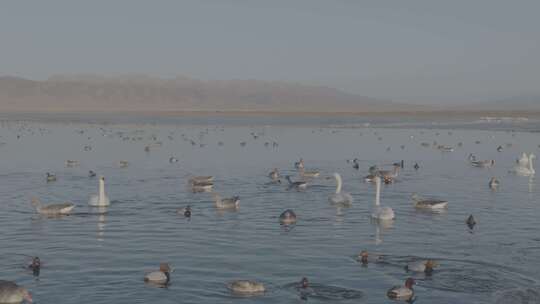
<point x="415" y="51"/>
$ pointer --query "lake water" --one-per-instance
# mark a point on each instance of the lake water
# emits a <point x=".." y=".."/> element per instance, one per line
<point x="90" y="257"/>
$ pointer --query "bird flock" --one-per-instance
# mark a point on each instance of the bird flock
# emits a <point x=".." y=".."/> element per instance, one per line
<point x="10" y="292"/>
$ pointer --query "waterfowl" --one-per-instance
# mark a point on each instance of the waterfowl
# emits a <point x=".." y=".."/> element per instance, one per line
<point x="499" y="149"/>
<point x="428" y="203"/>
<point x="387" y="173"/>
<point x="340" y="198"/>
<point x="309" y="174"/>
<point x="494" y="183"/>
<point x="405" y="292"/>
<point x="51" y="177"/>
<point x="483" y="163"/>
<point x="173" y="160"/>
<point x="400" y="164"/>
<point x="416" y="166"/>
<point x="373" y="172"/>
<point x="471" y="222"/>
<point x="287" y="217"/>
<point x="52" y="209"/>
<point x="356" y="165"/>
<point x="527" y="170"/>
<point x="72" y="163"/>
<point x="523" y="161"/>
<point x="444" y="148"/>
<point x="299" y="164"/>
<point x="161" y="277"/>
<point x="370" y="178"/>
<point x="91" y="173"/>
<point x="227" y="203"/>
<point x="246" y="287"/>
<point x="185" y="211"/>
<point x="425" y="266"/>
<point x="274" y="174"/>
<point x="201" y="179"/>
<point x="201" y="183"/>
<point x="12" y="293"/>
<point x="101" y="199"/>
<point x="381" y="213"/>
<point x="373" y="169"/>
<point x="300" y="185"/>
<point x="304" y="283"/>
<point x="201" y="186"/>
<point x="388" y="180"/>
<point x="365" y="257"/>
<point x="35" y="266"/>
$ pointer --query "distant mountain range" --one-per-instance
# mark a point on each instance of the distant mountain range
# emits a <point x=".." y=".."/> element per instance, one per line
<point x="88" y="93"/>
<point x="142" y="93"/>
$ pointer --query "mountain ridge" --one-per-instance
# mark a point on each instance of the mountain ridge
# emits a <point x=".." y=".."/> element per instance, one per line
<point x="144" y="93"/>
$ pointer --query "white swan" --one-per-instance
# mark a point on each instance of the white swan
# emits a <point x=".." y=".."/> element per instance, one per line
<point x="528" y="170"/>
<point x="101" y="199"/>
<point x="381" y="213"/>
<point x="523" y="161"/>
<point x="340" y="198"/>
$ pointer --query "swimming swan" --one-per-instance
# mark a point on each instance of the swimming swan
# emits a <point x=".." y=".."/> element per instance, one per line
<point x="101" y="199"/>
<point x="523" y="161"/>
<point x="52" y="209"/>
<point x="340" y="198"/>
<point x="381" y="213"/>
<point x="525" y="171"/>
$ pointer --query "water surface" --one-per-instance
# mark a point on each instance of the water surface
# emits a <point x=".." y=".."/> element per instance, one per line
<point x="90" y="257"/>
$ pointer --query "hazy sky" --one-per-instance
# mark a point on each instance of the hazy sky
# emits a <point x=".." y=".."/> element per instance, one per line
<point x="414" y="51"/>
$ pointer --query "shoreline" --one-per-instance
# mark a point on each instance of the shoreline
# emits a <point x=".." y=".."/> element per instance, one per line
<point x="254" y="113"/>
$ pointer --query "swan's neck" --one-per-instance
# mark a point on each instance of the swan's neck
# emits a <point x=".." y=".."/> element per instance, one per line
<point x="101" y="190"/>
<point x="338" y="180"/>
<point x="531" y="163"/>
<point x="378" y="193"/>
<point x="217" y="198"/>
